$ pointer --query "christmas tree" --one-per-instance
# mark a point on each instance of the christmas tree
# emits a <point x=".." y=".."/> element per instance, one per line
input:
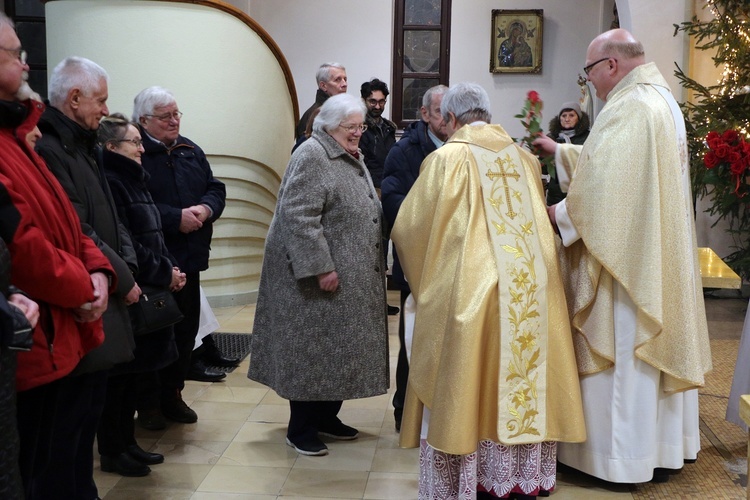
<point x="718" y="122"/>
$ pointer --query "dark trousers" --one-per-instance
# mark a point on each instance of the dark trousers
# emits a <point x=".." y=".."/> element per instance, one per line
<point x="402" y="365"/>
<point x="307" y="416"/>
<point x="36" y="409"/>
<point x="117" y="428"/>
<point x="70" y="472"/>
<point x="10" y="475"/>
<point x="172" y="377"/>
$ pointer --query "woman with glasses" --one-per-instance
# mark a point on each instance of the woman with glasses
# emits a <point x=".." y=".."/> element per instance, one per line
<point x="121" y="158"/>
<point x="320" y="333"/>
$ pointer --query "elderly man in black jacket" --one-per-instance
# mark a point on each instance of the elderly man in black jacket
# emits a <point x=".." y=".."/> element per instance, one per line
<point x="189" y="199"/>
<point x="78" y="100"/>
<point x="400" y="172"/>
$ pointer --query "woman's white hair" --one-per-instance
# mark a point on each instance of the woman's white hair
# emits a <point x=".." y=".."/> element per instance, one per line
<point x="149" y="99"/>
<point x="336" y="109"/>
<point x="74" y="72"/>
<point x="468" y="102"/>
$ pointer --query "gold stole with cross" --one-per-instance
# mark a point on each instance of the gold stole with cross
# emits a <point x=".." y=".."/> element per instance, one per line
<point x="522" y="284"/>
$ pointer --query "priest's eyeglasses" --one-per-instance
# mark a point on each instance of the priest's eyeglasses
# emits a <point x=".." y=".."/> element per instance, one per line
<point x="20" y="54"/>
<point x="353" y="128"/>
<point x="588" y="68"/>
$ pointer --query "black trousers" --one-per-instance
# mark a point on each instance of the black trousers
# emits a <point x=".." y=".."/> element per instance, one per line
<point x="117" y="428"/>
<point x="307" y="416"/>
<point x="402" y="365"/>
<point x="70" y="471"/>
<point x="172" y="377"/>
<point x="36" y="409"/>
<point x="10" y="474"/>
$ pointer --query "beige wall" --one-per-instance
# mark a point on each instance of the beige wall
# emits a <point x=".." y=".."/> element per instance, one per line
<point x="241" y="116"/>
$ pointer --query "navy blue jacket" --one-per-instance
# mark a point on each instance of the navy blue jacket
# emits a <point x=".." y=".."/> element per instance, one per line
<point x="181" y="177"/>
<point x="399" y="174"/>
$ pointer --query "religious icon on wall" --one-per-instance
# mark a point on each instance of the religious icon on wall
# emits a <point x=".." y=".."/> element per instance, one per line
<point x="516" y="41"/>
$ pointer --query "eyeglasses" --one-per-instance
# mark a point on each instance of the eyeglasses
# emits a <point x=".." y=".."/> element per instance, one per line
<point x="167" y="116"/>
<point x="375" y="102"/>
<point x="588" y="68"/>
<point x="20" y="54"/>
<point x="353" y="128"/>
<point x="136" y="142"/>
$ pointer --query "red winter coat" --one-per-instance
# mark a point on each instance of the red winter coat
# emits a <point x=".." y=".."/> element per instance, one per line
<point x="51" y="258"/>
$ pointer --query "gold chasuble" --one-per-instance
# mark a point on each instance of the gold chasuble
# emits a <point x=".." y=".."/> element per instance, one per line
<point x="492" y="353"/>
<point x="629" y="203"/>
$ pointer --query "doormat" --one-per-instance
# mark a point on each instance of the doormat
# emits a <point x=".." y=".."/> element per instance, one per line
<point x="232" y="345"/>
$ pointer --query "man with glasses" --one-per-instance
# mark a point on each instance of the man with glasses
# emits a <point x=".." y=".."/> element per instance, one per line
<point x="380" y="135"/>
<point x="57" y="266"/>
<point x="78" y="100"/>
<point x="190" y="199"/>
<point x="331" y="80"/>
<point x="377" y="140"/>
<point x="635" y="295"/>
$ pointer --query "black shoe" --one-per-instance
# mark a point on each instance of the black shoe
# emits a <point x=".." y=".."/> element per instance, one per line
<point x="201" y="372"/>
<point x="124" y="465"/>
<point x="311" y="448"/>
<point x="143" y="456"/>
<point x="176" y="409"/>
<point x="213" y="356"/>
<point x="393" y="310"/>
<point x="661" y="475"/>
<point x="152" y="419"/>
<point x="338" y="431"/>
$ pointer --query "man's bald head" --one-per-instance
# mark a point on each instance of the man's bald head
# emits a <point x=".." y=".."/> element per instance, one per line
<point x="610" y="57"/>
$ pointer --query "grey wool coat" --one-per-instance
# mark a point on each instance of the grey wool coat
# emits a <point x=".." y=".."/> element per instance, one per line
<point x="307" y="344"/>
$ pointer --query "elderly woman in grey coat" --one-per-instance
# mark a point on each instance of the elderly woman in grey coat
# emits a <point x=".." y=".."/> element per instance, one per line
<point x="320" y="333"/>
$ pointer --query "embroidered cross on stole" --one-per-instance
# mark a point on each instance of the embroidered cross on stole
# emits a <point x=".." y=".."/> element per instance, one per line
<point x="522" y="286"/>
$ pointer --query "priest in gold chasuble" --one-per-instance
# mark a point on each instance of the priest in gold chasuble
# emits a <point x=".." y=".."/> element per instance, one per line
<point x="631" y="270"/>
<point x="493" y="382"/>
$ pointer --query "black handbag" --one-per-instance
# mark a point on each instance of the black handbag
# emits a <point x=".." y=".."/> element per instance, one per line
<point x="155" y="309"/>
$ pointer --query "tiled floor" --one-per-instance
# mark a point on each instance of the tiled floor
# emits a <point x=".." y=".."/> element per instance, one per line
<point x="236" y="449"/>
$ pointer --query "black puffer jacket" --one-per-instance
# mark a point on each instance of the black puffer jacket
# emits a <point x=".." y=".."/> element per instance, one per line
<point x="181" y="177"/>
<point x="137" y="212"/>
<point x="70" y="153"/>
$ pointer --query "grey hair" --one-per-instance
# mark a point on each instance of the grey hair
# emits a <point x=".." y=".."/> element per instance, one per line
<point x="324" y="72"/>
<point x="149" y="99"/>
<point x="336" y="109"/>
<point x="433" y="92"/>
<point x="112" y="128"/>
<point x="468" y="102"/>
<point x="74" y="72"/>
<point x="6" y="21"/>
<point x="627" y="50"/>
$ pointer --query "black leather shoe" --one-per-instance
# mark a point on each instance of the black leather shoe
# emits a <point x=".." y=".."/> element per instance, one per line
<point x="144" y="456"/>
<point x="151" y="419"/>
<point x="203" y="373"/>
<point x="213" y="356"/>
<point x="124" y="465"/>
<point x="176" y="409"/>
